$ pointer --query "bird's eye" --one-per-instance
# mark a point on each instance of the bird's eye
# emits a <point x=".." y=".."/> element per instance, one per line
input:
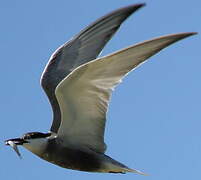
<point x="26" y="137"/>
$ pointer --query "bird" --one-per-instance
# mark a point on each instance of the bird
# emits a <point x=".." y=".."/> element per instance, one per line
<point x="79" y="85"/>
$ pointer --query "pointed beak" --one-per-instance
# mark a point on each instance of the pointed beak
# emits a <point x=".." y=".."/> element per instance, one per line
<point x="14" y="142"/>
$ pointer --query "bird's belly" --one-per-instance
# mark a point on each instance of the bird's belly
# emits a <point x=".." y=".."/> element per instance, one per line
<point x="74" y="159"/>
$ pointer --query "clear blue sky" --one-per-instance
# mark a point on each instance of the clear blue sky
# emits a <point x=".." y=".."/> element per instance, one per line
<point x="154" y="118"/>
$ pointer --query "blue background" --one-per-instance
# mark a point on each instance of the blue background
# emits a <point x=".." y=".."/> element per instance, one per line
<point x="154" y="118"/>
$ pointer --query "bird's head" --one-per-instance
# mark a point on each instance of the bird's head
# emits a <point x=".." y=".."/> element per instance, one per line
<point x="33" y="141"/>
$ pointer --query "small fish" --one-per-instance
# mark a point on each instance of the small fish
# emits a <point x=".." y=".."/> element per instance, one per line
<point x="13" y="143"/>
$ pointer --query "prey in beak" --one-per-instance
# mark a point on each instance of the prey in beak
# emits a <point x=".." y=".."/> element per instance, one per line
<point x="14" y="142"/>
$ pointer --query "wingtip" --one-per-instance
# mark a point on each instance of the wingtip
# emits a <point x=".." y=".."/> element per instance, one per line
<point x="185" y="35"/>
<point x="177" y="36"/>
<point x="142" y="4"/>
<point x="137" y="6"/>
<point x="130" y="9"/>
<point x="193" y="33"/>
<point x="190" y="33"/>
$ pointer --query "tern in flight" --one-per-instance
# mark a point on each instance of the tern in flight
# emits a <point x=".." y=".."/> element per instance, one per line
<point x="79" y="86"/>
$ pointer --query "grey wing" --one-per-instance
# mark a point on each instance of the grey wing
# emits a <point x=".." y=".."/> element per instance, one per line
<point x="84" y="94"/>
<point x="83" y="48"/>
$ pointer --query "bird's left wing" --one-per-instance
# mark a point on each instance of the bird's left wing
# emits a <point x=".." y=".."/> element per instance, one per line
<point x="83" y="48"/>
<point x="83" y="96"/>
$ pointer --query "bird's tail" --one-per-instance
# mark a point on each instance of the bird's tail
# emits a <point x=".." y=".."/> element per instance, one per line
<point x="134" y="171"/>
<point x="113" y="166"/>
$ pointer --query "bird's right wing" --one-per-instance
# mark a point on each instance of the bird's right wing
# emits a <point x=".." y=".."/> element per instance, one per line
<point x="84" y="95"/>
<point x="83" y="48"/>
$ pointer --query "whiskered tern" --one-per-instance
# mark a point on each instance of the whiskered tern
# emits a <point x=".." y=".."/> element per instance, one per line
<point x="79" y="86"/>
